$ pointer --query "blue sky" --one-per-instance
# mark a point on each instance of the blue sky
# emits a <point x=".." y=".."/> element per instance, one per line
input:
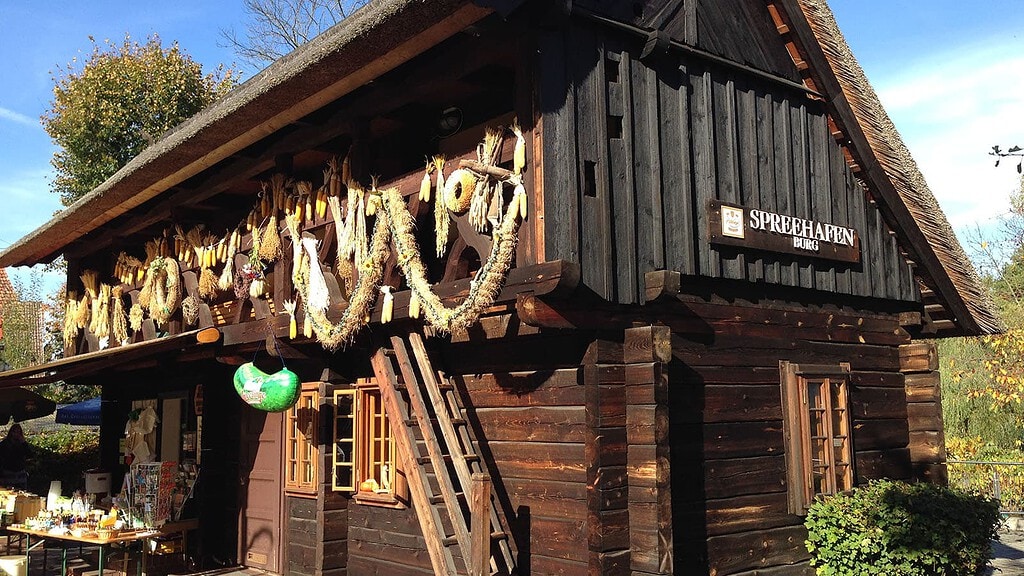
<point x="950" y="73"/>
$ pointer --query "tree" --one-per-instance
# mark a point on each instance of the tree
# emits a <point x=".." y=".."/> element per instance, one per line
<point x="983" y="387"/>
<point x="122" y="99"/>
<point x="22" y="314"/>
<point x="277" y="27"/>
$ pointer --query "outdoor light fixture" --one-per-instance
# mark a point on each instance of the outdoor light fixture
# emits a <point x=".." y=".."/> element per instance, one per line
<point x="449" y="122"/>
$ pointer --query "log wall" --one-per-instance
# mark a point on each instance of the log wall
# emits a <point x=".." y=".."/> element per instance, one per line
<point x="920" y="364"/>
<point x="729" y="482"/>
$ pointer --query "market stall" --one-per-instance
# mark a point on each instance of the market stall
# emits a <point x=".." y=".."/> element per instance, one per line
<point x="147" y="509"/>
<point x="133" y="542"/>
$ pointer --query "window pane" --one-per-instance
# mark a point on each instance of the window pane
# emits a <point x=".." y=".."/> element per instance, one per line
<point x="838" y="423"/>
<point x="841" y="479"/>
<point x="840" y="454"/>
<point x="838" y="397"/>
<point x="814" y="399"/>
<point x="817" y="452"/>
<point x="818" y="482"/>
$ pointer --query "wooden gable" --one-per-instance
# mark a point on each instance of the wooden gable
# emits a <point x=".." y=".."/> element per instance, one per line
<point x="659" y="139"/>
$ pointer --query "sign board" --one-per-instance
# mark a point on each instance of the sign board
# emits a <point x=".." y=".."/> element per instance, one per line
<point x="753" y="228"/>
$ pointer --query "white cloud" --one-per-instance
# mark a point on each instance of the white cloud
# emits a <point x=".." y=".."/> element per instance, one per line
<point x="951" y="108"/>
<point x="27" y="203"/>
<point x="8" y="114"/>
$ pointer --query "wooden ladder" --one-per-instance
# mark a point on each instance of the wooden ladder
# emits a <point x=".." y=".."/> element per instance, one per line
<point x="444" y="443"/>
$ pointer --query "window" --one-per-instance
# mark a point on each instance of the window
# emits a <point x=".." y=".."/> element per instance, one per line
<point x="819" y="455"/>
<point x="343" y="458"/>
<point x="301" y="442"/>
<point x="365" y="455"/>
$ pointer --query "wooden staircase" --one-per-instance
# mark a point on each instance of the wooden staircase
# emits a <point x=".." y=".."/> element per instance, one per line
<point x="447" y="479"/>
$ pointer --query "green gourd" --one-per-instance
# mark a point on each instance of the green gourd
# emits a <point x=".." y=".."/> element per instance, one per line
<point x="268" y="392"/>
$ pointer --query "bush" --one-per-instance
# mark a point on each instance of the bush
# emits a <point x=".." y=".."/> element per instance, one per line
<point x="901" y="529"/>
<point x="61" y="455"/>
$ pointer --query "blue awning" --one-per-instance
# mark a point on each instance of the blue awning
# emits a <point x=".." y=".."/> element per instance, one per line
<point x="84" y="413"/>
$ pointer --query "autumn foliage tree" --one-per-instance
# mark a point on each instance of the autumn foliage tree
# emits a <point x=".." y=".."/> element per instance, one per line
<point x="121" y="99"/>
<point x="983" y="390"/>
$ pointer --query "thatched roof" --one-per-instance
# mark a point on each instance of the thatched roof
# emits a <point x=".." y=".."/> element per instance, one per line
<point x="373" y="40"/>
<point x="894" y="158"/>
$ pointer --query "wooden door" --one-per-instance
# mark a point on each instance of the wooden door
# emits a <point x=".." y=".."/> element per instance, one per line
<point x="259" y="473"/>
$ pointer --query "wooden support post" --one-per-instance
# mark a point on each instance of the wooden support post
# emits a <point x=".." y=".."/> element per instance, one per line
<point x="919" y="362"/>
<point x="647" y="353"/>
<point x="480" y="526"/>
<point x="605" y="448"/>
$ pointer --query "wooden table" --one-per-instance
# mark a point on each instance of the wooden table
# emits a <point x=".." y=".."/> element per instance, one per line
<point x="125" y="537"/>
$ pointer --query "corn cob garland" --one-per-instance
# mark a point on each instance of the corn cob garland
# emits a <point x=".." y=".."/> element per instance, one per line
<point x="227" y="275"/>
<point x="426" y="183"/>
<point x="468" y="189"/>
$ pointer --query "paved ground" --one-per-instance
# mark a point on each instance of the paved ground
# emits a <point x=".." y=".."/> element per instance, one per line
<point x="1008" y="554"/>
<point x="1008" y="560"/>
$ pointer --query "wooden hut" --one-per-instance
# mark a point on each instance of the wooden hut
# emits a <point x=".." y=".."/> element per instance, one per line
<point x="726" y="276"/>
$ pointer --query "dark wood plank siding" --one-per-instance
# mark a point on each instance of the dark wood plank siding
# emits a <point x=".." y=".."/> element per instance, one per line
<point x="533" y="431"/>
<point x="636" y="149"/>
<point x="743" y="32"/>
<point x="923" y="388"/>
<point x="301" y="536"/>
<point x="726" y="430"/>
<point x="386" y="541"/>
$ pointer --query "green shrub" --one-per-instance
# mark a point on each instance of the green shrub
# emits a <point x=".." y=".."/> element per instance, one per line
<point x="900" y="529"/>
<point x="61" y="455"/>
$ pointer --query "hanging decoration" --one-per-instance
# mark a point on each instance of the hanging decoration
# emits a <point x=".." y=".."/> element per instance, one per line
<point x="136" y="315"/>
<point x="487" y="189"/>
<point x="289" y="308"/>
<point x="190" y="309"/>
<point x="227" y="276"/>
<point x="161" y="293"/>
<point x="70" y="319"/>
<point x="91" y="283"/>
<point x="366" y="228"/>
<point x="330" y="335"/>
<point x="118" y="316"/>
<point x="275" y="392"/>
<point x="442" y="220"/>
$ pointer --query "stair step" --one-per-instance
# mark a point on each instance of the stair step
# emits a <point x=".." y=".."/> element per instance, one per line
<point x="448" y="458"/>
<point x="451" y="540"/>
<point x="439" y="498"/>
